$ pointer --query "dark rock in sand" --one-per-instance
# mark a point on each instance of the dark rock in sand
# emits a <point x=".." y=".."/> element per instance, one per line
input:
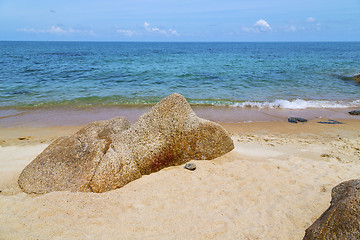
<point x="190" y="166"/>
<point x="355" y="112"/>
<point x="342" y="219"/>
<point x="296" y="119"/>
<point x="109" y="154"/>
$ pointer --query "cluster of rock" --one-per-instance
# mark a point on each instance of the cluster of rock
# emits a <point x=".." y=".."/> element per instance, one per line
<point x="342" y="219"/>
<point x="106" y="155"/>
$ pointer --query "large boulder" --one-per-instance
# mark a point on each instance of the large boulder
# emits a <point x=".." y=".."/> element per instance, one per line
<point x="342" y="219"/>
<point x="104" y="156"/>
<point x="69" y="163"/>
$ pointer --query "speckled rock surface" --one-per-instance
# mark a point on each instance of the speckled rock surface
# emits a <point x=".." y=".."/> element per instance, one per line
<point x="69" y="163"/>
<point x="109" y="154"/>
<point x="342" y="219"/>
<point x="168" y="134"/>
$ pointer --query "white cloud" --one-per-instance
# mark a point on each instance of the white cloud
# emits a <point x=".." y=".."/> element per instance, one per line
<point x="127" y="33"/>
<point x="290" y="28"/>
<point x="260" y="26"/>
<point x="173" y="32"/>
<point x="155" y="29"/>
<point x="58" y="30"/>
<point x="28" y="30"/>
<point x="312" y="24"/>
<point x="160" y="31"/>
<point x="310" y="19"/>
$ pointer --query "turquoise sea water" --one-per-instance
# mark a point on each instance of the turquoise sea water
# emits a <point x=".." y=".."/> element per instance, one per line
<point x="270" y="75"/>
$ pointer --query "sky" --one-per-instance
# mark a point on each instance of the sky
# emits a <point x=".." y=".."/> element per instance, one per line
<point x="180" y="20"/>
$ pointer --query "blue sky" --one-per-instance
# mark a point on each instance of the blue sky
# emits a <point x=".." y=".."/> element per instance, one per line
<point x="185" y="20"/>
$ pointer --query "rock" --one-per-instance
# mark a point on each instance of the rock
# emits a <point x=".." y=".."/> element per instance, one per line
<point x="355" y="112"/>
<point x="330" y="121"/>
<point x="353" y="77"/>
<point x="342" y="219"/>
<point x="104" y="156"/>
<point x="168" y="134"/>
<point x="69" y="163"/>
<point x="190" y="166"/>
<point x="296" y="119"/>
<point x="357" y="78"/>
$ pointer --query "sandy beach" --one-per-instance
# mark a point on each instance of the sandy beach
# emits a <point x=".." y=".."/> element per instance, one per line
<point x="273" y="185"/>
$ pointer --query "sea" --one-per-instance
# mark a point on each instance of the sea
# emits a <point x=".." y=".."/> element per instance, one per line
<point x="260" y="75"/>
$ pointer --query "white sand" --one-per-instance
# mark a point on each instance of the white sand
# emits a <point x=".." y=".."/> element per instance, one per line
<point x="272" y="186"/>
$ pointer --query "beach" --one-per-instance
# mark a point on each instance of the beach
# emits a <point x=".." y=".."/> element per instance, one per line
<point x="273" y="185"/>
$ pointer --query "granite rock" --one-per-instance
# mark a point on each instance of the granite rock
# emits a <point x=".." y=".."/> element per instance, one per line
<point x="107" y="155"/>
<point x="342" y="219"/>
<point x="69" y="163"/>
<point x="168" y="134"/>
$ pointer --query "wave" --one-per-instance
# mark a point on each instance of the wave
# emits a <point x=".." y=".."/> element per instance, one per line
<point x="116" y="100"/>
<point x="298" y="104"/>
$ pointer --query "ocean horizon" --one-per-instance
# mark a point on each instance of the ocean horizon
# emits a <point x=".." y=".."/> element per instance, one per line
<point x="291" y="75"/>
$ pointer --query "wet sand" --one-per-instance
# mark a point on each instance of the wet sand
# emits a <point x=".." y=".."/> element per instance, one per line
<point x="273" y="185"/>
<point x="76" y="116"/>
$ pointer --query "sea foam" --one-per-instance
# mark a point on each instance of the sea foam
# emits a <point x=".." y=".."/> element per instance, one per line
<point x="298" y="104"/>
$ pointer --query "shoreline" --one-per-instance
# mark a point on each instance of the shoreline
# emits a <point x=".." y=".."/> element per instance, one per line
<point x="76" y="116"/>
<point x="32" y="135"/>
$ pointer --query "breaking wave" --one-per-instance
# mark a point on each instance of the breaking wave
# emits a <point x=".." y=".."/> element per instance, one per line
<point x="298" y="104"/>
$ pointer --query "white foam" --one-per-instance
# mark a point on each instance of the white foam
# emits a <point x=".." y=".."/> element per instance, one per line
<point x="298" y="104"/>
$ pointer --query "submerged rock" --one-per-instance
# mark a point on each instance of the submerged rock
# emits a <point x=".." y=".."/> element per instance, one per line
<point x="109" y="154"/>
<point x="355" y="112"/>
<point x="342" y="219"/>
<point x="330" y="121"/>
<point x="296" y="119"/>
<point x="355" y="78"/>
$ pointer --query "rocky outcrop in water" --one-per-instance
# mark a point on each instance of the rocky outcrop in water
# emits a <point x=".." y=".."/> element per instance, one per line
<point x="109" y="154"/>
<point x="342" y="219"/>
<point x="355" y="78"/>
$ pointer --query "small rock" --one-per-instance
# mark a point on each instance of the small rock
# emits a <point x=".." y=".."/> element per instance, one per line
<point x="23" y="138"/>
<point x="330" y="121"/>
<point x="355" y="112"/>
<point x="190" y="166"/>
<point x="296" y="119"/>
